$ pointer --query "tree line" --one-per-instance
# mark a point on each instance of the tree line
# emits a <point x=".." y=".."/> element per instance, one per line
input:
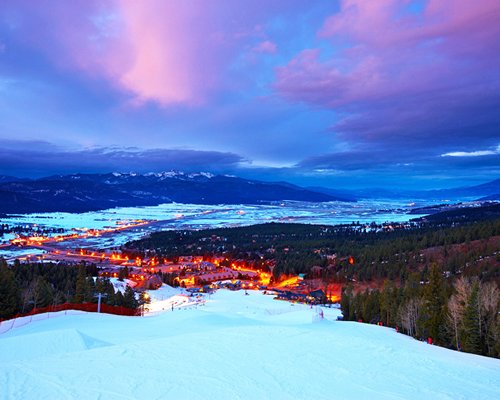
<point x="297" y="248"/>
<point x="461" y="313"/>
<point x="26" y="286"/>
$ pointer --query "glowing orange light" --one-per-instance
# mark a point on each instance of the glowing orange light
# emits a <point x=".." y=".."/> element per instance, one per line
<point x="289" y="282"/>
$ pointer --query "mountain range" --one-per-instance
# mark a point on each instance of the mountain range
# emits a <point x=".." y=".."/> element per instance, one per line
<point x="90" y="192"/>
<point x="486" y="191"/>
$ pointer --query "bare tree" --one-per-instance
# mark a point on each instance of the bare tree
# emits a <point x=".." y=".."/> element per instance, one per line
<point x="455" y="317"/>
<point x="409" y="313"/>
<point x="489" y="296"/>
<point x="463" y="288"/>
<point x="456" y="307"/>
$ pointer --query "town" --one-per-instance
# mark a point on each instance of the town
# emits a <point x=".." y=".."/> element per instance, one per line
<point x="197" y="274"/>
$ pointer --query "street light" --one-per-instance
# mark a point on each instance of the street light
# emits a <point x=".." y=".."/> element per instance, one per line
<point x="145" y="299"/>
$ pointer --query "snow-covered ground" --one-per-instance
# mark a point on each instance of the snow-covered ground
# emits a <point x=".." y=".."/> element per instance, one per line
<point x="196" y="216"/>
<point x="122" y="285"/>
<point x="5" y="238"/>
<point x="168" y="298"/>
<point x="199" y="216"/>
<point x="18" y="252"/>
<point x="232" y="347"/>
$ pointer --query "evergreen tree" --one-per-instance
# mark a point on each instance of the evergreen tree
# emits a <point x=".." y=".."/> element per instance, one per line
<point x="90" y="289"/>
<point x="100" y="286"/>
<point x="144" y="298"/>
<point x="472" y="333"/>
<point x="389" y="303"/>
<point x="345" y="302"/>
<point x="81" y="286"/>
<point x="123" y="273"/>
<point x="43" y="294"/>
<point x="489" y="307"/>
<point x="119" y="298"/>
<point x="371" y="306"/>
<point x="10" y="294"/>
<point x="129" y="299"/>
<point x="432" y="322"/>
<point x="109" y="292"/>
<point x="496" y="335"/>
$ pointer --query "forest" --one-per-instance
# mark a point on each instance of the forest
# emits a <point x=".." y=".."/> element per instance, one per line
<point x="27" y="286"/>
<point x="461" y="313"/>
<point x="345" y="252"/>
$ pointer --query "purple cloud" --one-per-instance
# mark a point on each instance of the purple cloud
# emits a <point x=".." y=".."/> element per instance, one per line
<point x="38" y="158"/>
<point x="288" y="89"/>
<point x="167" y="52"/>
<point x="266" y="47"/>
<point x="400" y="77"/>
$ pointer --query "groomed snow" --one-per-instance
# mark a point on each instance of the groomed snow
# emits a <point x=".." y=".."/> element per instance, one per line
<point x="232" y="347"/>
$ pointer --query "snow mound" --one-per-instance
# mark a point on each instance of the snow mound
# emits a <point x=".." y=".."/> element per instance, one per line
<point x="47" y="344"/>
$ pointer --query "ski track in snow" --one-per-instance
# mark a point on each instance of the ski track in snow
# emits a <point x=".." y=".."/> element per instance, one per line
<point x="232" y="347"/>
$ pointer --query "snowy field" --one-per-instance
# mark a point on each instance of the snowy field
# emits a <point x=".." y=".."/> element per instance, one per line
<point x="195" y="216"/>
<point x="20" y="253"/>
<point x="201" y="216"/>
<point x="232" y="347"/>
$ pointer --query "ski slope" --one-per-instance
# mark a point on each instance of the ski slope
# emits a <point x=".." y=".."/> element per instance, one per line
<point x="233" y="346"/>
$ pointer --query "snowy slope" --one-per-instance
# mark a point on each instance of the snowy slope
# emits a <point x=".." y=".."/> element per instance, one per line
<point x="233" y="347"/>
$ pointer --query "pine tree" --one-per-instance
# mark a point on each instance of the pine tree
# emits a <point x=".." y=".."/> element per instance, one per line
<point x="43" y="294"/>
<point x="90" y="289"/>
<point x="81" y="286"/>
<point x="100" y="285"/>
<point x="472" y="333"/>
<point x="123" y="274"/>
<point x="129" y="299"/>
<point x="434" y="302"/>
<point x="496" y="335"/>
<point x="345" y="303"/>
<point x="109" y="292"/>
<point x="489" y="303"/>
<point x="10" y="294"/>
<point x="388" y="303"/>
<point x="119" y="299"/>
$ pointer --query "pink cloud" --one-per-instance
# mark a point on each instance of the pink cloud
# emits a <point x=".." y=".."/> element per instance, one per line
<point x="385" y="50"/>
<point x="169" y="52"/>
<point x="266" y="47"/>
<point x="166" y="51"/>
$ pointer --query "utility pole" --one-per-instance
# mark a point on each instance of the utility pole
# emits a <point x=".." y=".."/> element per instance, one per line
<point x="99" y="302"/>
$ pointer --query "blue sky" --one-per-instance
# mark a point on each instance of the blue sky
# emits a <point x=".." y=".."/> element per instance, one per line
<point x="340" y="94"/>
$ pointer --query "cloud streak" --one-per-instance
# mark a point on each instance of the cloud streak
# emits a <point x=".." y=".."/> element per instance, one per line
<point x="476" y="153"/>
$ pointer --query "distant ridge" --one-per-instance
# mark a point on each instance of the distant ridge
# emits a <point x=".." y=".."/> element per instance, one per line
<point x="90" y="192"/>
<point x="486" y="191"/>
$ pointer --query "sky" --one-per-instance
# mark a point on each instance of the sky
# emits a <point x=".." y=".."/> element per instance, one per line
<point x="343" y="94"/>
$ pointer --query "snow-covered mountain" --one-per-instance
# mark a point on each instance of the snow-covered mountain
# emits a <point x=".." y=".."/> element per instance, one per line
<point x="90" y="192"/>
